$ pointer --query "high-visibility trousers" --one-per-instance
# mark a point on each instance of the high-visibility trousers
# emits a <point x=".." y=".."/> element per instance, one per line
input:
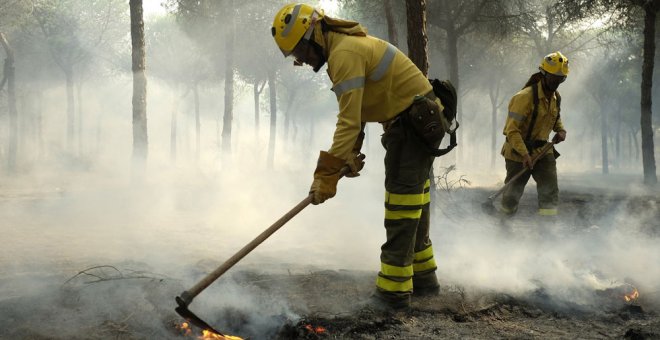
<point x="407" y="255"/>
<point x="545" y="175"/>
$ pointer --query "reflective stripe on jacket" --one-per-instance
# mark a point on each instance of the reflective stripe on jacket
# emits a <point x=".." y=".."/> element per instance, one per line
<point x="373" y="82"/>
<point x="520" y="116"/>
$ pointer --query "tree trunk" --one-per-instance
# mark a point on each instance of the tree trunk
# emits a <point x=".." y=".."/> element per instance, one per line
<point x="603" y="142"/>
<point x="636" y="144"/>
<point x="594" y="147"/>
<point x="310" y="140"/>
<point x="494" y="97"/>
<point x="617" y="145"/>
<point x="79" y="86"/>
<point x="418" y="51"/>
<point x="392" y="34"/>
<point x="255" y="97"/>
<point x="198" y="125"/>
<point x="294" y="126"/>
<point x="70" y="108"/>
<point x="273" y="119"/>
<point x="173" y="127"/>
<point x="288" y="119"/>
<point x="646" y="122"/>
<point x="493" y="135"/>
<point x="452" y="52"/>
<point x="229" y="88"/>
<point x="24" y="123"/>
<point x="417" y="39"/>
<point x="99" y="133"/>
<point x="39" y="113"/>
<point x="287" y="123"/>
<point x="140" y="138"/>
<point x="10" y="77"/>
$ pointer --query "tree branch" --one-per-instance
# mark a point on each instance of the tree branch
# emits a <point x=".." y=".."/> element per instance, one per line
<point x="471" y="19"/>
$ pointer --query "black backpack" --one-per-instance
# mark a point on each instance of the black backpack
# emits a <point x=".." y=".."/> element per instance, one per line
<point x="444" y="90"/>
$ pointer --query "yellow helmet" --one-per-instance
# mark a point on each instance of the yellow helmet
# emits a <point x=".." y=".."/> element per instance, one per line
<point x="292" y="23"/>
<point x="555" y="63"/>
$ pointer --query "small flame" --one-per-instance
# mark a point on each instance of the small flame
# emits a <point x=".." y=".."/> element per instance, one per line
<point x="632" y="296"/>
<point x="210" y="335"/>
<point x="186" y="330"/>
<point x="315" y="330"/>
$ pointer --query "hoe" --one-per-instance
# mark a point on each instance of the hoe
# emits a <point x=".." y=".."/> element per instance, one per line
<point x="489" y="206"/>
<point x="187" y="296"/>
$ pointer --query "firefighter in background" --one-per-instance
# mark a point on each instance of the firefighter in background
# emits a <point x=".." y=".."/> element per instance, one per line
<point x="373" y="82"/>
<point x="534" y="112"/>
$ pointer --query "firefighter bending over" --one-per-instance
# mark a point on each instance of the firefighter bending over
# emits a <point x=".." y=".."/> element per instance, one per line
<point x="373" y="82"/>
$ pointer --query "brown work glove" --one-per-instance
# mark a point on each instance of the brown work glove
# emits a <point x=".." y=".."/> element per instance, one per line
<point x="559" y="137"/>
<point x="326" y="176"/>
<point x="355" y="160"/>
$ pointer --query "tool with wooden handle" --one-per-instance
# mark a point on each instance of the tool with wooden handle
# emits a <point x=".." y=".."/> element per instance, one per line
<point x="186" y="298"/>
<point x="489" y="205"/>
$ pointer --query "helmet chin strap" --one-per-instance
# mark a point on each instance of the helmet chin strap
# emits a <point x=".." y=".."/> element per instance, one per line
<point x="319" y="51"/>
<point x="313" y="20"/>
<point x="317" y="48"/>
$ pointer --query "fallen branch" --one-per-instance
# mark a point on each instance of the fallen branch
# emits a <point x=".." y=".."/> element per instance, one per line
<point x="102" y="276"/>
<point x="86" y="272"/>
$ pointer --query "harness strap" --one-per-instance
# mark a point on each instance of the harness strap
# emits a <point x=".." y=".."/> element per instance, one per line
<point x="558" y="109"/>
<point x="535" y="113"/>
<point x="533" y="144"/>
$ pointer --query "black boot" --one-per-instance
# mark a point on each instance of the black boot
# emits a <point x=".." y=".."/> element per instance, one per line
<point x="425" y="285"/>
<point x="389" y="302"/>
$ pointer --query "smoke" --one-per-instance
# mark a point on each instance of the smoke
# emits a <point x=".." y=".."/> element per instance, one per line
<point x="185" y="218"/>
<point x="60" y="218"/>
<point x="568" y="259"/>
<point x="72" y="207"/>
<point x="180" y="225"/>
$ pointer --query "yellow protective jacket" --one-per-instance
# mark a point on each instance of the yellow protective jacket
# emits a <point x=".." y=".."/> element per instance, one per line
<point x="519" y="119"/>
<point x="373" y="82"/>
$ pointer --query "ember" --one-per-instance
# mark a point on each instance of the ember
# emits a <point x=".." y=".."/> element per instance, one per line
<point x="208" y="335"/>
<point x="634" y="295"/>
<point x="315" y="330"/>
<point x="186" y="330"/>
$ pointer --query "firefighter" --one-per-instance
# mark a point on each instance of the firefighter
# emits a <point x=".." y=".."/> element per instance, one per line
<point x="534" y="112"/>
<point x="373" y="82"/>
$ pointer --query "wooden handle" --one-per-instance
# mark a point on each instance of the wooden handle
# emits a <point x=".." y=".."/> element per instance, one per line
<point x="190" y="294"/>
<point x="214" y="275"/>
<point x="521" y="172"/>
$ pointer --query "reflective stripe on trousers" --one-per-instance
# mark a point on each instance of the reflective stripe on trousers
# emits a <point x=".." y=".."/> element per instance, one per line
<point x="407" y="251"/>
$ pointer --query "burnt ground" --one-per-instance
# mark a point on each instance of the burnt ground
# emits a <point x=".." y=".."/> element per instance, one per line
<point x="142" y="308"/>
<point x="128" y="300"/>
<point x="460" y="313"/>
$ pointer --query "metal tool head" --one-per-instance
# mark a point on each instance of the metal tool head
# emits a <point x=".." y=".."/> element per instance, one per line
<point x="192" y="318"/>
<point x="488" y="207"/>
